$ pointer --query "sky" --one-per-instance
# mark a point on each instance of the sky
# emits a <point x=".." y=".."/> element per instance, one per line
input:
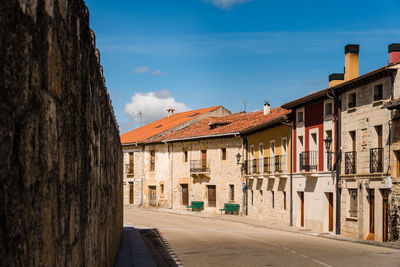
<point x="190" y="54"/>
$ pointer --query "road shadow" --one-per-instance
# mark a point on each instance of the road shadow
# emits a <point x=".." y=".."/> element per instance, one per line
<point x="143" y="247"/>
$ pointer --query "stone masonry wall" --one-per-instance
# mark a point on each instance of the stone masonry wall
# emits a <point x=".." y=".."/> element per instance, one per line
<point x="60" y="153"/>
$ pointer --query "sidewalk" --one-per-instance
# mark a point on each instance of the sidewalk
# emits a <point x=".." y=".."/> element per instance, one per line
<point x="133" y="251"/>
<point x="274" y="225"/>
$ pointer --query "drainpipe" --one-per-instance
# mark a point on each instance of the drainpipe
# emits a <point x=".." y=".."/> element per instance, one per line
<point x="338" y="154"/>
<point x="141" y="180"/>
<point x="172" y="179"/>
<point x="291" y="169"/>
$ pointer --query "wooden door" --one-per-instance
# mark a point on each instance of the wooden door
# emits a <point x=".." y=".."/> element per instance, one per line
<point x="212" y="196"/>
<point x="185" y="195"/>
<point x="330" y="200"/>
<point x="130" y="193"/>
<point x="385" y="226"/>
<point x="301" y="194"/>
<point x="153" y="196"/>
<point x="204" y="158"/>
<point x="371" y="211"/>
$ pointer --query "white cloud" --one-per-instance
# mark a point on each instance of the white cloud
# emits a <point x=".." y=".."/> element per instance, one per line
<point x="157" y="72"/>
<point x="153" y="106"/>
<point x="140" y="69"/>
<point x="227" y="4"/>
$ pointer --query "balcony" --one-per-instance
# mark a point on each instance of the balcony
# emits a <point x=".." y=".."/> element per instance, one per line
<point x="350" y="162"/>
<point x="129" y="169"/>
<point x="376" y="160"/>
<point x="280" y="163"/>
<point x="309" y="161"/>
<point x="199" y="166"/>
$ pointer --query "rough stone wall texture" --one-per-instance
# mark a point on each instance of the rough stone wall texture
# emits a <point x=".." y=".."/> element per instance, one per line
<point x="60" y="153"/>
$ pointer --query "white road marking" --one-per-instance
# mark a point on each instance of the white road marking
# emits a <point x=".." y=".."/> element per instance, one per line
<point x="322" y="263"/>
<point x="304" y="256"/>
<point x="294" y="252"/>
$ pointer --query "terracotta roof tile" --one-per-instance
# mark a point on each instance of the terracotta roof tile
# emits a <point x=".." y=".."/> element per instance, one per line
<point x="158" y="127"/>
<point x="228" y="124"/>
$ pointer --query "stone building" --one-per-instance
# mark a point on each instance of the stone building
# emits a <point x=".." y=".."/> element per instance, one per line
<point x="268" y="171"/>
<point x="145" y="161"/>
<point x="204" y="159"/>
<point x="369" y="142"/>
<point x="314" y="172"/>
<point x="60" y="152"/>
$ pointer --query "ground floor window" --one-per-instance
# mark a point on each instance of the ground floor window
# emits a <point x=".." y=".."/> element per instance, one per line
<point x="231" y="192"/>
<point x="284" y="200"/>
<point x="353" y="203"/>
<point x="273" y="199"/>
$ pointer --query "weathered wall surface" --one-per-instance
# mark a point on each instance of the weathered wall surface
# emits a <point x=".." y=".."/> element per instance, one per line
<point x="60" y="153"/>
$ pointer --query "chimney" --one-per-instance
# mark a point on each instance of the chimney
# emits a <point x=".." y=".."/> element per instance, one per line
<point x="394" y="53"/>
<point x="351" y="61"/>
<point x="267" y="107"/>
<point x="170" y="112"/>
<point x="335" y="79"/>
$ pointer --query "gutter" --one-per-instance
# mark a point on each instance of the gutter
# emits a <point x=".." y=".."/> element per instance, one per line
<point x="200" y="137"/>
<point x="129" y="144"/>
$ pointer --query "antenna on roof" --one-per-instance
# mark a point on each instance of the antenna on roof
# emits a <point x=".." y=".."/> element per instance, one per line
<point x="244" y="103"/>
<point x="141" y="117"/>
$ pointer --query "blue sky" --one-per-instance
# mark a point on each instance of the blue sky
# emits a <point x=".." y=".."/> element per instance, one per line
<point x="190" y="54"/>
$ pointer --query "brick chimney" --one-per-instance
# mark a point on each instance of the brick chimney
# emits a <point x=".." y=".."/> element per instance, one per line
<point x="351" y="61"/>
<point x="394" y="53"/>
<point x="267" y="107"/>
<point x="170" y="112"/>
<point x="335" y="79"/>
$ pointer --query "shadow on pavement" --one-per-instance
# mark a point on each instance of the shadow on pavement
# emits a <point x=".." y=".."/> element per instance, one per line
<point x="143" y="247"/>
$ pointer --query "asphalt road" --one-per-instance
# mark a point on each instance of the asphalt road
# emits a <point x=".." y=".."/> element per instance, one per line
<point x="217" y="242"/>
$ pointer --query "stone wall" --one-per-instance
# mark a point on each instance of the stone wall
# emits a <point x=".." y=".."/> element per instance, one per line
<point x="60" y="153"/>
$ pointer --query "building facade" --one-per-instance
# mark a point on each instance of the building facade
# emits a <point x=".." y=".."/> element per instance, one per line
<point x="268" y="172"/>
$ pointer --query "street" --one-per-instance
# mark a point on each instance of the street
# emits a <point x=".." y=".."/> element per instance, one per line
<point x="214" y="241"/>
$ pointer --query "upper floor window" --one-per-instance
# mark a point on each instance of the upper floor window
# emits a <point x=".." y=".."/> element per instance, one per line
<point x="328" y="108"/>
<point x="378" y="92"/>
<point x="352" y="100"/>
<point x="185" y="156"/>
<point x="130" y="169"/>
<point x="152" y="160"/>
<point x="300" y="116"/>
<point x="223" y="153"/>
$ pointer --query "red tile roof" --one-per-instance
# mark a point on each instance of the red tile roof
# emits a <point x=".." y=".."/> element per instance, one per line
<point x="162" y="125"/>
<point x="230" y="124"/>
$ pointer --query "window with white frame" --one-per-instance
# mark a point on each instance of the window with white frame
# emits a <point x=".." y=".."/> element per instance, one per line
<point x="284" y="158"/>
<point x="328" y="108"/>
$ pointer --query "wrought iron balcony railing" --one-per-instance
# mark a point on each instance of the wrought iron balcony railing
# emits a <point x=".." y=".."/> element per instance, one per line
<point x="309" y="160"/>
<point x="129" y="169"/>
<point x="280" y="163"/>
<point x="350" y="162"/>
<point x="376" y="160"/>
<point x="199" y="166"/>
<point x="267" y="165"/>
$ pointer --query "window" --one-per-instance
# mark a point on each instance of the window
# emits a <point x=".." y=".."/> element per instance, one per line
<point x="162" y="188"/>
<point x="301" y="140"/>
<point x="273" y="199"/>
<point x="353" y="203"/>
<point x="231" y="192"/>
<point x="252" y="203"/>
<point x="152" y="160"/>
<point x="130" y="170"/>
<point x="300" y="116"/>
<point x="352" y="100"/>
<point x="378" y="92"/>
<point x="204" y="158"/>
<point x="284" y="200"/>
<point x="328" y="108"/>
<point x="223" y="153"/>
<point x="185" y="156"/>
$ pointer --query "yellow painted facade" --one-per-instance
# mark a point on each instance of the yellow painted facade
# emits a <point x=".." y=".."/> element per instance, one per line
<point x="275" y="134"/>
